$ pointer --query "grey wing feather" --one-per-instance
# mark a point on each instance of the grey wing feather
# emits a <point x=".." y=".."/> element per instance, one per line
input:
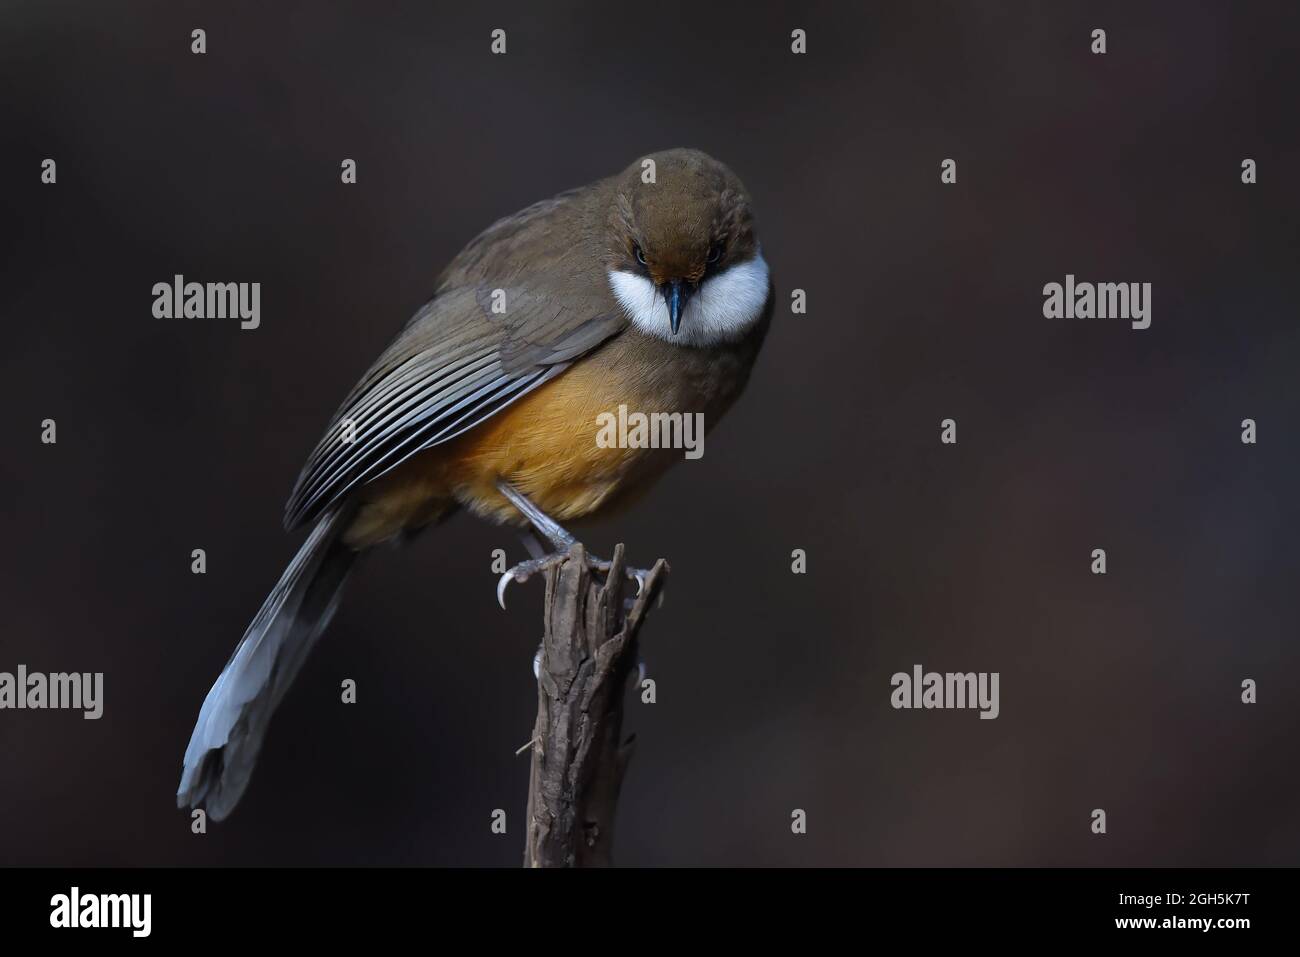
<point x="452" y="367"/>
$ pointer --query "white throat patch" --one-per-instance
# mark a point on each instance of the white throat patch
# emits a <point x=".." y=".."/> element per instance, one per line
<point x="723" y="309"/>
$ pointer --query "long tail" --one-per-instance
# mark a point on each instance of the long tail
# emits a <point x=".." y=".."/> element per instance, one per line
<point x="232" y="722"/>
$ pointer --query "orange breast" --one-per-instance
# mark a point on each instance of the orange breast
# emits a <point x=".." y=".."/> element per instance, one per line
<point x="545" y="444"/>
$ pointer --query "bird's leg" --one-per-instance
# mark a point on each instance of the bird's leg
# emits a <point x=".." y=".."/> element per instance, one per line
<point x="558" y="536"/>
<point x="531" y="543"/>
<point x="549" y="527"/>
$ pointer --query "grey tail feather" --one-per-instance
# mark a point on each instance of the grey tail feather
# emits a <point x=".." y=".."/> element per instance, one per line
<point x="232" y="722"/>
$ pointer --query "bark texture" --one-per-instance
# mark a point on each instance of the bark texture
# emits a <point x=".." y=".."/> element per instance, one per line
<point x="578" y="755"/>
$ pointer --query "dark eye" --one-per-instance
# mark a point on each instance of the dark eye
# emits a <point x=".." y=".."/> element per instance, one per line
<point x="640" y="256"/>
<point x="715" y="254"/>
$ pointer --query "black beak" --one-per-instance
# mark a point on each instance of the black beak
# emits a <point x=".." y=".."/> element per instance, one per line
<point x="676" y="294"/>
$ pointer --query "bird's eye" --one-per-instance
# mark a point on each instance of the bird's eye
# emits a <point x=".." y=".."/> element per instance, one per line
<point x="640" y="256"/>
<point x="715" y="254"/>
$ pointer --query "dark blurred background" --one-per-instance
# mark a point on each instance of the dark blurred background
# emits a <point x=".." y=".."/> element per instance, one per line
<point x="1119" y="692"/>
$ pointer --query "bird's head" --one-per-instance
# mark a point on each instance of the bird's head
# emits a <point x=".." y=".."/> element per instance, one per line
<point x="683" y="254"/>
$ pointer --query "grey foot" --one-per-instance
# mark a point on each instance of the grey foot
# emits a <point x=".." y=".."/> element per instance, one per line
<point x="527" y="569"/>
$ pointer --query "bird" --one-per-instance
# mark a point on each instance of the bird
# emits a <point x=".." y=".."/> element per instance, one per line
<point x="646" y="289"/>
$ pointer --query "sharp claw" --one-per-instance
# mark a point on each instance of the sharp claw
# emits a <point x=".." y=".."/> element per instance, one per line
<point x="537" y="664"/>
<point x="506" y="579"/>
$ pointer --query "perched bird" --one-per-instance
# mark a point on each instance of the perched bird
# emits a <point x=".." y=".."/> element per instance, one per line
<point x="647" y="289"/>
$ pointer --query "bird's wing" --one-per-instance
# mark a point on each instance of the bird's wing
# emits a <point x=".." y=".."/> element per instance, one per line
<point x="467" y="354"/>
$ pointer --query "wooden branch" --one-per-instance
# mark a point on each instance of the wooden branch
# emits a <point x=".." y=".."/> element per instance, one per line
<point x="578" y="759"/>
